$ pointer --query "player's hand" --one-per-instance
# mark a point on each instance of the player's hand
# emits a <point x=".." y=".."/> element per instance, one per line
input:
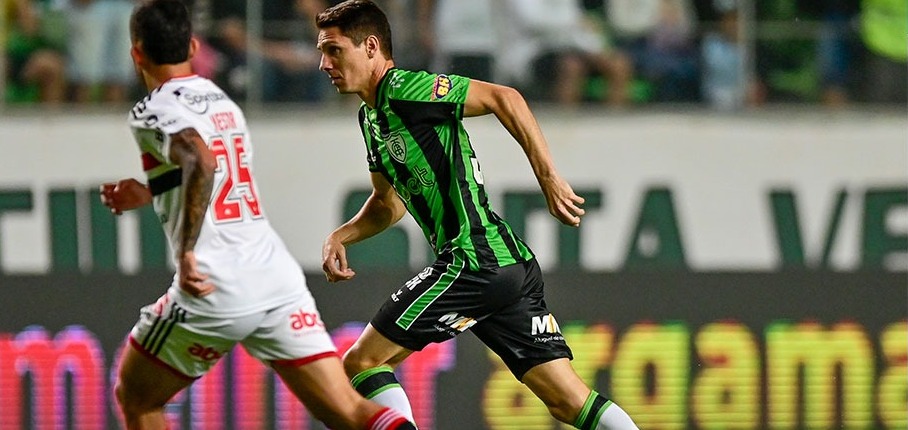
<point x="334" y="261"/>
<point x="563" y="203"/>
<point x="124" y="195"/>
<point x="191" y="281"/>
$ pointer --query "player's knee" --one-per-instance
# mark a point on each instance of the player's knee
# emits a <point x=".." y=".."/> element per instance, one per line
<point x="355" y="362"/>
<point x="563" y="409"/>
<point x="131" y="403"/>
<point x="128" y="404"/>
<point x="564" y="413"/>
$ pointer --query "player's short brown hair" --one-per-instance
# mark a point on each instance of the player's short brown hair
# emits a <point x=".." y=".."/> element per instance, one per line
<point x="358" y="19"/>
<point x="164" y="28"/>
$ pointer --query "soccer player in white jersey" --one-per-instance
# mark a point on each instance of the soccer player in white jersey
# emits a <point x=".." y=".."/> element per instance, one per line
<point x="235" y="280"/>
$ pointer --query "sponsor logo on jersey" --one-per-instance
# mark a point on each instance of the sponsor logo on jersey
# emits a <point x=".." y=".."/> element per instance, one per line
<point x="457" y="322"/>
<point x="545" y="324"/>
<point x="441" y="87"/>
<point x="204" y="353"/>
<point x="303" y="320"/>
<point x="197" y="102"/>
<point x="397" y="147"/>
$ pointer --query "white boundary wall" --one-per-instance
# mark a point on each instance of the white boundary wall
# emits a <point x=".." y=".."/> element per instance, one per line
<point x="720" y="170"/>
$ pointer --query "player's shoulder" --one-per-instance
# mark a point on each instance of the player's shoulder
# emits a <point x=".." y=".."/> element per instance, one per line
<point x="192" y="94"/>
<point x="420" y="85"/>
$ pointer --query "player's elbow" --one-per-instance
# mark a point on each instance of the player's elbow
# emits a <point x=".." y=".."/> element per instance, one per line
<point x="506" y="98"/>
<point x="206" y="163"/>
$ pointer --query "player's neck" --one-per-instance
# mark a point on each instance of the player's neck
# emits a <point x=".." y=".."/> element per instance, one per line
<point x="368" y="96"/>
<point x="158" y="75"/>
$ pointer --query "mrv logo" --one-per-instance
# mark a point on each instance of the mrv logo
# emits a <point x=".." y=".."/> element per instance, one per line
<point x="457" y="322"/>
<point x="545" y="324"/>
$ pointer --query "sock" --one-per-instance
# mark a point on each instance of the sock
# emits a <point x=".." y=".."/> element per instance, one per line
<point x="389" y="419"/>
<point x="380" y="385"/>
<point x="599" y="413"/>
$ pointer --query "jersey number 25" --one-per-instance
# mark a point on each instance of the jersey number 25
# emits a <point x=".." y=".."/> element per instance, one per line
<point x="235" y="188"/>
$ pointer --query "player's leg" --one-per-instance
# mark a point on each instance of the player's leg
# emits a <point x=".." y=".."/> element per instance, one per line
<point x="370" y="364"/>
<point x="323" y="387"/>
<point x="527" y="338"/>
<point x="168" y="349"/>
<point x="302" y="353"/>
<point x="143" y="387"/>
<point x="569" y="399"/>
<point x="426" y="309"/>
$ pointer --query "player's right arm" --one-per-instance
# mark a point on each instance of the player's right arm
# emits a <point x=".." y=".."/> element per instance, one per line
<point x="381" y="210"/>
<point x="189" y="151"/>
<point x="512" y="111"/>
<point x="124" y="195"/>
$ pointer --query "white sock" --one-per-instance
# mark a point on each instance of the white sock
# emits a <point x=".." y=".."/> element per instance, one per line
<point x="599" y="413"/>
<point x="614" y="418"/>
<point x="380" y="385"/>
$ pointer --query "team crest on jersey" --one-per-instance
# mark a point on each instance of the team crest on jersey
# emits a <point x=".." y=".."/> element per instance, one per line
<point x="441" y="87"/>
<point x="396" y="147"/>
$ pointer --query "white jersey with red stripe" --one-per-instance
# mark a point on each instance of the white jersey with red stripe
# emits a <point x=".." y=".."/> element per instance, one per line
<point x="237" y="248"/>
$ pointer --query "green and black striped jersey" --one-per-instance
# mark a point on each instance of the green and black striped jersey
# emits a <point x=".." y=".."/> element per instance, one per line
<point x="416" y="139"/>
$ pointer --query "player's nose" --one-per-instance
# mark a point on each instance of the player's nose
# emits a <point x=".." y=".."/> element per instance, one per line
<point x="324" y="63"/>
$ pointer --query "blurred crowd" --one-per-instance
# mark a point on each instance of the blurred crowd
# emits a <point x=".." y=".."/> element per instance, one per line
<point x="727" y="54"/>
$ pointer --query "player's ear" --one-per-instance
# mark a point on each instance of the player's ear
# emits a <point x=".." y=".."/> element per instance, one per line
<point x="138" y="57"/>
<point x="372" y="46"/>
<point x="193" y="47"/>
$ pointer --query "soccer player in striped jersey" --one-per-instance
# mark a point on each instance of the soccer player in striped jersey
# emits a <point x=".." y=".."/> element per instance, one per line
<point x="236" y="282"/>
<point x="485" y="278"/>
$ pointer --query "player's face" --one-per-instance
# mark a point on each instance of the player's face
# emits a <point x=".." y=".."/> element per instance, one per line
<point x="347" y="64"/>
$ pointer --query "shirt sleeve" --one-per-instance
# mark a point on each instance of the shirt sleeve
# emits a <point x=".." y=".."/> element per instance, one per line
<point x="429" y="87"/>
<point x="154" y="120"/>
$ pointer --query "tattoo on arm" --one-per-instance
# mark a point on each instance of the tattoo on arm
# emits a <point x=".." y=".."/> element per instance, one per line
<point x="189" y="150"/>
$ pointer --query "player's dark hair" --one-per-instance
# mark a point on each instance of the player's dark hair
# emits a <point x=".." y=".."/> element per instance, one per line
<point x="358" y="19"/>
<point x="164" y="27"/>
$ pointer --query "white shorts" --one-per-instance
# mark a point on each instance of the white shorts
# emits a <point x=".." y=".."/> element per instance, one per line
<point x="289" y="334"/>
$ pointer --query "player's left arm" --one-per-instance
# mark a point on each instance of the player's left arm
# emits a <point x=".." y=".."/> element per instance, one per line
<point x="189" y="151"/>
<point x="514" y="114"/>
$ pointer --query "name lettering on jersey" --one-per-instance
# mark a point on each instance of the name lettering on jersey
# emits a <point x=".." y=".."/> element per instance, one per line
<point x="457" y="322"/>
<point x="223" y="121"/>
<point x="396" y="147"/>
<point x="545" y="324"/>
<point x="441" y="87"/>
<point x="197" y="102"/>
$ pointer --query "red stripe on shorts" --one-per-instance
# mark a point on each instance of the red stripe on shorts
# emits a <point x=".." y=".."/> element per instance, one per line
<point x="296" y="362"/>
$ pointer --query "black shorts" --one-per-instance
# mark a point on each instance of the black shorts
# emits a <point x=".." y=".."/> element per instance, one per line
<point x="504" y="308"/>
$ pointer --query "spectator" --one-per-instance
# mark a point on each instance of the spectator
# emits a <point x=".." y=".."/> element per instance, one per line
<point x="660" y="37"/>
<point x="836" y="48"/>
<point x="884" y="25"/>
<point x="464" y="39"/>
<point x="786" y="56"/>
<point x="34" y="58"/>
<point x="413" y="48"/>
<point x="288" y="55"/>
<point x="98" y="48"/>
<point x="725" y="82"/>
<point x="554" y="41"/>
